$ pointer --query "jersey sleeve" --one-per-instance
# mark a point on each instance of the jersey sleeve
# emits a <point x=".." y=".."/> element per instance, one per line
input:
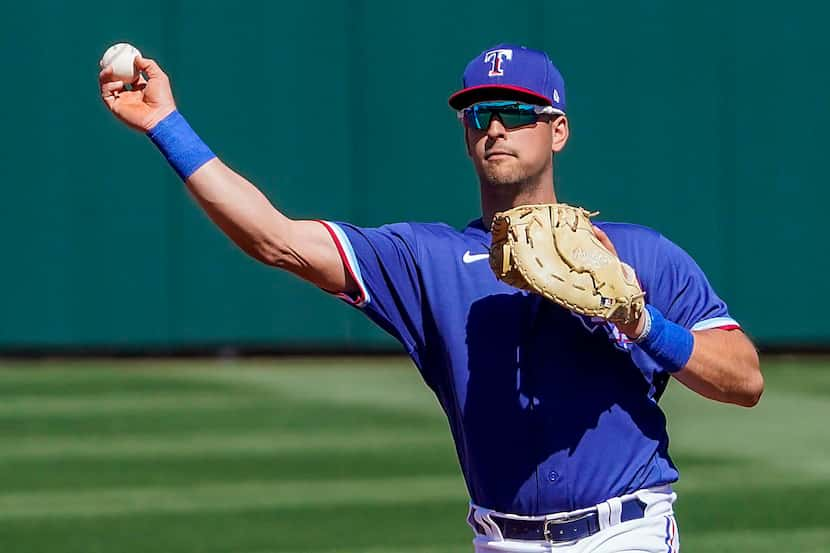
<point x="384" y="262"/>
<point x="680" y="290"/>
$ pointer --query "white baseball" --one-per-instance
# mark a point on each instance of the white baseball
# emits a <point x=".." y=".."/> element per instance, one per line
<point x="121" y="56"/>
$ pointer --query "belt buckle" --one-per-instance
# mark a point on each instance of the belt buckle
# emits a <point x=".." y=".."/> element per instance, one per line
<point x="547" y="533"/>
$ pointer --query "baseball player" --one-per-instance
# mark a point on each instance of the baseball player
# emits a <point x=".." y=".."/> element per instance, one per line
<point x="554" y="415"/>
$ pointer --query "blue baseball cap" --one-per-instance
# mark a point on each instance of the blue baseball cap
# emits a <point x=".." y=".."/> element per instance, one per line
<point x="507" y="72"/>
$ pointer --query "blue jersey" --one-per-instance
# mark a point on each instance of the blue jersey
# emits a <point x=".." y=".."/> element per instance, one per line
<point x="550" y="411"/>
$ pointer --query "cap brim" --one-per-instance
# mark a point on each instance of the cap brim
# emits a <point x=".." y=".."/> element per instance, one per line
<point x="483" y="93"/>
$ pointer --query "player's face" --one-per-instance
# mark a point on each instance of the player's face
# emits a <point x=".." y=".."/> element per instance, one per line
<point x="521" y="155"/>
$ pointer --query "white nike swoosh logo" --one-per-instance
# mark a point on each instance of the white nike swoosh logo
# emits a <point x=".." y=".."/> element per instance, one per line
<point x="472" y="257"/>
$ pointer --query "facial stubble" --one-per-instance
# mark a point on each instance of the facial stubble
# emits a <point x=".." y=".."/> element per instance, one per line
<point x="505" y="175"/>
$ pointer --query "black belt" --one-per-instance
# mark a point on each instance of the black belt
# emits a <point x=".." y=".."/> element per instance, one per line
<point x="562" y="529"/>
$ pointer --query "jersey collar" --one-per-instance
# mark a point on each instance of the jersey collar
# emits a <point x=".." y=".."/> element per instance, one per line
<point x="476" y="227"/>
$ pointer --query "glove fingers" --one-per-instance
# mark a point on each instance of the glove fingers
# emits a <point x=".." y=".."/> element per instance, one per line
<point x="552" y="250"/>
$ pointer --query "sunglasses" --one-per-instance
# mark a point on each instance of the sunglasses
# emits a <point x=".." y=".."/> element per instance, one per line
<point x="512" y="114"/>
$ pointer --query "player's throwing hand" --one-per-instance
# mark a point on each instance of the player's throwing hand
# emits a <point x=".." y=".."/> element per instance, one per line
<point x="149" y="101"/>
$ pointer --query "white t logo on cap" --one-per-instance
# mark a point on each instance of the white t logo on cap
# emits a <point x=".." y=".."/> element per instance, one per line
<point x="495" y="58"/>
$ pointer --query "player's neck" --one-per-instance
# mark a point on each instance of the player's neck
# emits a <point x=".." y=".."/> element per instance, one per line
<point x="495" y="198"/>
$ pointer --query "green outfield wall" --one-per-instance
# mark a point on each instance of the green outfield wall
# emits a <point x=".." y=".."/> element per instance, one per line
<point x="706" y="120"/>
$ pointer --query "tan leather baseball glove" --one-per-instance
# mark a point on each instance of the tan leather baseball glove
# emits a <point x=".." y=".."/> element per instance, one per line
<point x="551" y="249"/>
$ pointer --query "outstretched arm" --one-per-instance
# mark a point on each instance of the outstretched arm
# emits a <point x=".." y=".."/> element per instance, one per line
<point x="232" y="202"/>
<point x="304" y="248"/>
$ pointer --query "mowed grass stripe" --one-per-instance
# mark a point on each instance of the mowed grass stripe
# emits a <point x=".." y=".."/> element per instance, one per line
<point x="439" y="548"/>
<point x="361" y="527"/>
<point x="794" y="540"/>
<point x="45" y="384"/>
<point x="279" y="415"/>
<point x="92" y="368"/>
<point x="36" y="406"/>
<point x="42" y="475"/>
<point x="401" y="390"/>
<point x="229" y="497"/>
<point x="769" y="433"/>
<point x="190" y="445"/>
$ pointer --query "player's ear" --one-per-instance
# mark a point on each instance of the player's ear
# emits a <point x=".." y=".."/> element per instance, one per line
<point x="560" y="132"/>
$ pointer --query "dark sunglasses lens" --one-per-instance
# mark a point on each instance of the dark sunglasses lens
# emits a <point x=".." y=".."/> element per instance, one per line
<point x="479" y="117"/>
<point x="512" y="118"/>
<point x="476" y="118"/>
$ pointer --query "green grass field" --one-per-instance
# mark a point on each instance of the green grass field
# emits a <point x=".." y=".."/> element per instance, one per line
<point x="349" y="456"/>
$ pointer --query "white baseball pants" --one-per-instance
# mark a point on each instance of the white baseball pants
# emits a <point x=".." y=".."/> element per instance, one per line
<point x="656" y="532"/>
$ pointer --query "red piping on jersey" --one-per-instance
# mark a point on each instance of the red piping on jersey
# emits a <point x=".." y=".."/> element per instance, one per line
<point x="345" y="259"/>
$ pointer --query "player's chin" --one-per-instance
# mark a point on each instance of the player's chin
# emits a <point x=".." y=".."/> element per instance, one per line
<point x="502" y="180"/>
<point x="502" y="174"/>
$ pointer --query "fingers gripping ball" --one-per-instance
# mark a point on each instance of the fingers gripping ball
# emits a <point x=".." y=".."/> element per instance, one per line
<point x="121" y="57"/>
<point x="551" y="250"/>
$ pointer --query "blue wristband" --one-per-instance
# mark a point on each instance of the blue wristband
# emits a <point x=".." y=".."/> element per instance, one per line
<point x="666" y="342"/>
<point x="180" y="144"/>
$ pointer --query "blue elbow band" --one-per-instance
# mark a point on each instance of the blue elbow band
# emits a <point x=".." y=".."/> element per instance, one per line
<point x="666" y="342"/>
<point x="180" y="144"/>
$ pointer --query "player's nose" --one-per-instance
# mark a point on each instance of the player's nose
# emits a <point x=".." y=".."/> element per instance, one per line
<point x="496" y="128"/>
